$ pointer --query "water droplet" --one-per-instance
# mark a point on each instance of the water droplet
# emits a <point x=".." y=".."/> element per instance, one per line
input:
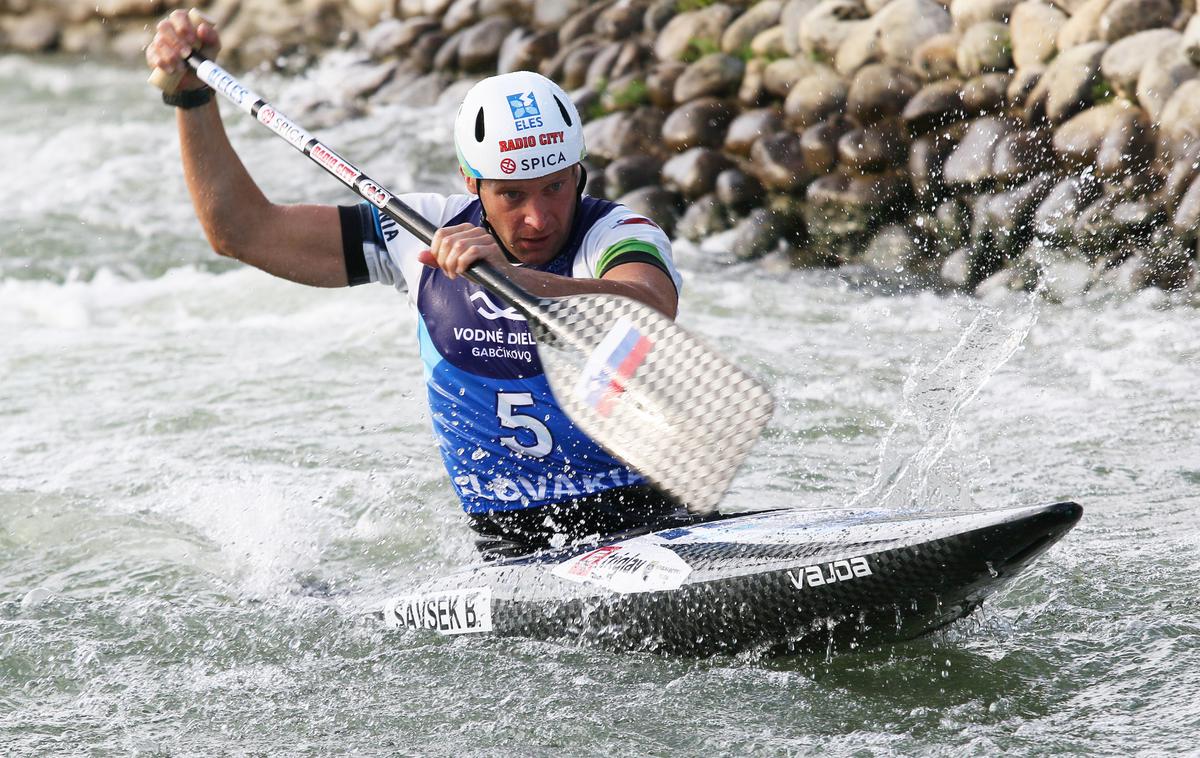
<point x="36" y="598"/>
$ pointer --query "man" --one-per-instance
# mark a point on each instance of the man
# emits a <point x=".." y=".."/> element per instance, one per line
<point x="527" y="478"/>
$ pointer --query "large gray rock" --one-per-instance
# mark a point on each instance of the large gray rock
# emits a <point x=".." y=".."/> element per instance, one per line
<point x="793" y="13"/>
<point x="1127" y="148"/>
<point x="967" y="13"/>
<point x="714" y="75"/>
<point x="984" y="47"/>
<point x="824" y="28"/>
<point x="1105" y="224"/>
<point x="523" y="50"/>
<point x="969" y="166"/>
<point x="1021" y="85"/>
<point x="738" y="191"/>
<point x="391" y="37"/>
<point x="36" y="33"/>
<point x="778" y="163"/>
<point x="872" y="148"/>
<point x="763" y="231"/>
<point x="632" y="59"/>
<point x="1002" y="226"/>
<point x="879" y="91"/>
<point x="694" y="31"/>
<point x="600" y="63"/>
<point x="704" y="217"/>
<point x="700" y="123"/>
<point x="658" y="15"/>
<point x="1122" y="18"/>
<point x="578" y="60"/>
<point x="1054" y="218"/>
<point x="1124" y="60"/>
<point x="1021" y="154"/>
<point x="749" y="126"/>
<point x="780" y="75"/>
<point x="635" y="132"/>
<point x="1182" y="168"/>
<point x="621" y="20"/>
<point x="891" y="251"/>
<point x="424" y="51"/>
<point x="937" y="105"/>
<point x="480" y="45"/>
<point x="556" y="65"/>
<point x="1168" y="267"/>
<point x="985" y="93"/>
<point x="757" y="18"/>
<point x="655" y="203"/>
<point x="660" y="83"/>
<point x="842" y="210"/>
<point x="1082" y="27"/>
<point x="1191" y="40"/>
<point x="1034" y="27"/>
<point x="551" y="15"/>
<point x="1161" y="76"/>
<point x="815" y="97"/>
<point x="1068" y="85"/>
<point x="860" y="47"/>
<point x="460" y="15"/>
<point x="904" y="25"/>
<point x="1077" y="141"/>
<point x="694" y="172"/>
<point x="581" y="24"/>
<point x="769" y="44"/>
<point x="1179" y="125"/>
<point x="947" y="229"/>
<point x="630" y="172"/>
<point x="1186" y="220"/>
<point x="753" y="91"/>
<point x="447" y="55"/>
<point x="937" y="57"/>
<point x="818" y="144"/>
<point x="926" y="165"/>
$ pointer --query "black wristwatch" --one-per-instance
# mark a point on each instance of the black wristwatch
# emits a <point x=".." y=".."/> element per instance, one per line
<point x="190" y="98"/>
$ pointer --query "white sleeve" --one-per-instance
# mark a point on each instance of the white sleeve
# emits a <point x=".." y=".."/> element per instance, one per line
<point x="623" y="236"/>
<point x="389" y="251"/>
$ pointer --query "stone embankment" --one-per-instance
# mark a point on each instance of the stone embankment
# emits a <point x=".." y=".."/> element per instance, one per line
<point x="984" y="144"/>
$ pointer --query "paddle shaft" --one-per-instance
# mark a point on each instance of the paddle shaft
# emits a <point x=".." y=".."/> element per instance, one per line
<point x="364" y="186"/>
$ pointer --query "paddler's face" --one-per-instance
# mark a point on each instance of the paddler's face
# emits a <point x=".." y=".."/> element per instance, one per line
<point x="532" y="217"/>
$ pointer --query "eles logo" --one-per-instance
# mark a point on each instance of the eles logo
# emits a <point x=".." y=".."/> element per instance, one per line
<point x="523" y="105"/>
<point x="525" y="111"/>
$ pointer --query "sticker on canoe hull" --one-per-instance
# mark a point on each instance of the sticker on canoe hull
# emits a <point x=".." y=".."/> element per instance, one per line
<point x="464" y="611"/>
<point x="627" y="568"/>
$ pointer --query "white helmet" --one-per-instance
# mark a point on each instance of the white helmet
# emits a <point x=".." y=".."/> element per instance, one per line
<point x="519" y="125"/>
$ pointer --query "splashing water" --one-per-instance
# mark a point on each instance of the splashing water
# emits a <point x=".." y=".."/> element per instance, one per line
<point x="933" y="400"/>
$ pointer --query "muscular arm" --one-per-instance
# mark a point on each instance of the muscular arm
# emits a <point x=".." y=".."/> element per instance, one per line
<point x="297" y="242"/>
<point x="640" y="281"/>
<point x="301" y="243"/>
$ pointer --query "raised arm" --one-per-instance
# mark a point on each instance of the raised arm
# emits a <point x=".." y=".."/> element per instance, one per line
<point x="301" y="243"/>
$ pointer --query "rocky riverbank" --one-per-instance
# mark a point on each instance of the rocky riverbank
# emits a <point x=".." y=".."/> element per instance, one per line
<point x="980" y="144"/>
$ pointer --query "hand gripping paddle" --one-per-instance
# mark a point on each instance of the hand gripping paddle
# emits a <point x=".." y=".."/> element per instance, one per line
<point x="643" y="388"/>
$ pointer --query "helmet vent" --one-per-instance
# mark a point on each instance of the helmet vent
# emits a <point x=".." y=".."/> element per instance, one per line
<point x="563" y="110"/>
<point x="479" y="126"/>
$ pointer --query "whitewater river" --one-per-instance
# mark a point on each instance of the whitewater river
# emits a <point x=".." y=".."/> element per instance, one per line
<point x="207" y="475"/>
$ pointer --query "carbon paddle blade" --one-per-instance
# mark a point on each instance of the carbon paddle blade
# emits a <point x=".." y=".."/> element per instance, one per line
<point x="652" y="394"/>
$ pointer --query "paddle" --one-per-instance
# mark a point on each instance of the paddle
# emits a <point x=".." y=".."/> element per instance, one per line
<point x="643" y="388"/>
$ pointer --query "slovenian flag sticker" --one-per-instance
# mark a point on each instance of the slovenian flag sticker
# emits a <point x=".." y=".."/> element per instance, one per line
<point x="612" y="364"/>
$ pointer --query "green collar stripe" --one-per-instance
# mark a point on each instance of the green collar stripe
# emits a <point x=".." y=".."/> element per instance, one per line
<point x="627" y="246"/>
